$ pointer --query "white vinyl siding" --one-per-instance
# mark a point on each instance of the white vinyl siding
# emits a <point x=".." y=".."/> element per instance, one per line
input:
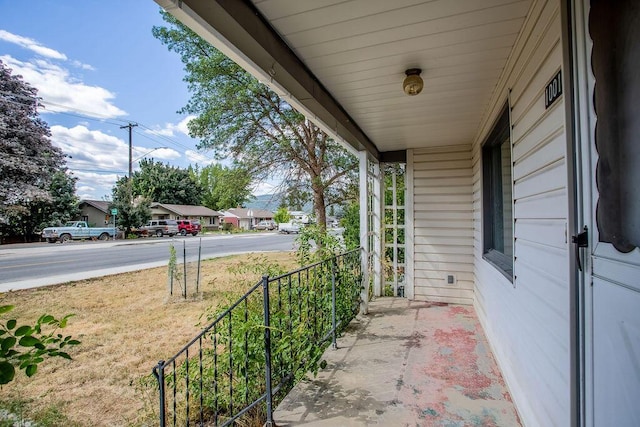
<point x="443" y="228"/>
<point x="527" y="322"/>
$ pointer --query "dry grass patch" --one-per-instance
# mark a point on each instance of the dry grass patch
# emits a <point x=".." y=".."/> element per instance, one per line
<point x="126" y="325"/>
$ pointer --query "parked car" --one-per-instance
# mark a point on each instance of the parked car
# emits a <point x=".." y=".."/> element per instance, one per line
<point x="289" y="227"/>
<point x="187" y="226"/>
<point x="75" y="230"/>
<point x="265" y="225"/>
<point x="160" y="227"/>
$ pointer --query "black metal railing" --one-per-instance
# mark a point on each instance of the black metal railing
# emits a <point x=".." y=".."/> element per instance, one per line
<point x="244" y="362"/>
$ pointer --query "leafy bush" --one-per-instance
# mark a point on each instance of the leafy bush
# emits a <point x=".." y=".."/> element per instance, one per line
<point x="27" y="346"/>
<point x="282" y="215"/>
<point x="351" y="223"/>
<point x="315" y="244"/>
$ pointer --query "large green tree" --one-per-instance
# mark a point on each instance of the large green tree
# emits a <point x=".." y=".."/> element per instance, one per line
<point x="133" y="210"/>
<point x="223" y="187"/>
<point x="163" y="183"/>
<point x="238" y="116"/>
<point x="33" y="177"/>
<point x="64" y="205"/>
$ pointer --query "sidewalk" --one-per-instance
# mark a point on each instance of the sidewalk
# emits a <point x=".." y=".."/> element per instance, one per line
<point x="405" y="364"/>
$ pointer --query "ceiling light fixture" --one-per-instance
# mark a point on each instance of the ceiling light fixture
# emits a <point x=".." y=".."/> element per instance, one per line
<point x="413" y="83"/>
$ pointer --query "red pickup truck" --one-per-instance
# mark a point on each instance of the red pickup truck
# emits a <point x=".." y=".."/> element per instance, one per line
<point x="187" y="226"/>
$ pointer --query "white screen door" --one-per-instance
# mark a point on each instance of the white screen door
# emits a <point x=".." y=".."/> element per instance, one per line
<point x="611" y="206"/>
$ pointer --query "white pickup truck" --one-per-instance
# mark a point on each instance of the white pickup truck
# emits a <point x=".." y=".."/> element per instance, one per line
<point x="76" y="230"/>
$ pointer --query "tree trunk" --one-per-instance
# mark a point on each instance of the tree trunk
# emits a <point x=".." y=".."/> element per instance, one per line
<point x="319" y="205"/>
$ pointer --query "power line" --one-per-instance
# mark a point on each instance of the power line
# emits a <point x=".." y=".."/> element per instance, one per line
<point x="164" y="137"/>
<point x="167" y="139"/>
<point x="80" y="116"/>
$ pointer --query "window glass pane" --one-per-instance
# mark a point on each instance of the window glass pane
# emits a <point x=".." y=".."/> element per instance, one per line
<point x="388" y="216"/>
<point x="388" y="197"/>
<point x="389" y="272"/>
<point x="401" y="255"/>
<point x="400" y="214"/>
<point x="497" y="197"/>
<point x="507" y="211"/>
<point x="388" y="235"/>
<point x="401" y="236"/>
<point x="615" y="61"/>
<point x="388" y="254"/>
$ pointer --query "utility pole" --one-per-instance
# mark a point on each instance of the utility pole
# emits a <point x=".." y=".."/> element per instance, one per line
<point x="130" y="126"/>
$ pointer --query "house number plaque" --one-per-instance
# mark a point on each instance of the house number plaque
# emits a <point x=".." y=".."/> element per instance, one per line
<point x="553" y="90"/>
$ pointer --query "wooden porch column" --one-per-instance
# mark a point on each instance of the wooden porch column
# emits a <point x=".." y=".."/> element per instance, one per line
<point x="370" y="226"/>
<point x="364" y="231"/>
<point x="377" y="221"/>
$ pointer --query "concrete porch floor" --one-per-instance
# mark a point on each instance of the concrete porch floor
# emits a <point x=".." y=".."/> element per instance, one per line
<point x="406" y="363"/>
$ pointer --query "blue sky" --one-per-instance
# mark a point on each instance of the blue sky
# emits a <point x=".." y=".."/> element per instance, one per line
<point x="97" y="67"/>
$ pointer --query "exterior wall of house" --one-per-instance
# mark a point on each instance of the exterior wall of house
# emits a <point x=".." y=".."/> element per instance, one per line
<point x="210" y="222"/>
<point x="232" y="220"/>
<point x="443" y="224"/>
<point x="162" y="213"/>
<point x="527" y="321"/>
<point x="94" y="217"/>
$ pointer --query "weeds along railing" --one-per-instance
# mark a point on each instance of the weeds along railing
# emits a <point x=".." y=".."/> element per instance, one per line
<point x="244" y="362"/>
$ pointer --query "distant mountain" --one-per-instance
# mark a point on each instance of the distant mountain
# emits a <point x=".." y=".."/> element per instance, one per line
<point x="271" y="202"/>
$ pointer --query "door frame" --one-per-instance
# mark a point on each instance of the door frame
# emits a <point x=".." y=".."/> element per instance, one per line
<point x="576" y="47"/>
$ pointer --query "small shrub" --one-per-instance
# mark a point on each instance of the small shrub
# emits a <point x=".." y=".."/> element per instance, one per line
<point x="25" y="347"/>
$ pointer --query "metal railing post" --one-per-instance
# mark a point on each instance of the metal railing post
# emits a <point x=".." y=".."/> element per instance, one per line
<point x="158" y="372"/>
<point x="199" y="257"/>
<point x="267" y="352"/>
<point x="333" y="303"/>
<point x="184" y="265"/>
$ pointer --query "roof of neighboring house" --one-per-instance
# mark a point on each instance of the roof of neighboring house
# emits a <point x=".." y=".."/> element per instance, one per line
<point x="187" y="210"/>
<point x="249" y="213"/>
<point x="101" y="205"/>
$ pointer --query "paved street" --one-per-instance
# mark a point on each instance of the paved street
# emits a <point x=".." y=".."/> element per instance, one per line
<point x="32" y="265"/>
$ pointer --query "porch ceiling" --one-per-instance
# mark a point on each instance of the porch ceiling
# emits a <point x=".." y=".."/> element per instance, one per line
<point x="342" y="62"/>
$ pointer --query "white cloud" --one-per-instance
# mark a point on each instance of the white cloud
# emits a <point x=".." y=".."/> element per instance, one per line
<point x="195" y="157"/>
<point x="170" y="129"/>
<point x="39" y="49"/>
<point x="91" y="149"/>
<point x="62" y="92"/>
<point x="96" y="150"/>
<point x="94" y="185"/>
<point x="97" y="159"/>
<point x="32" y="45"/>
<point x="85" y="189"/>
<point x="83" y="65"/>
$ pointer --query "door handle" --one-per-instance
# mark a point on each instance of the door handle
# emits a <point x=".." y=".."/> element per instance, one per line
<point x="581" y="240"/>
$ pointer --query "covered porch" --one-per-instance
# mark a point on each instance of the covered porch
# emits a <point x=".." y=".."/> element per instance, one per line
<point x="405" y="363"/>
<point x="496" y="209"/>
